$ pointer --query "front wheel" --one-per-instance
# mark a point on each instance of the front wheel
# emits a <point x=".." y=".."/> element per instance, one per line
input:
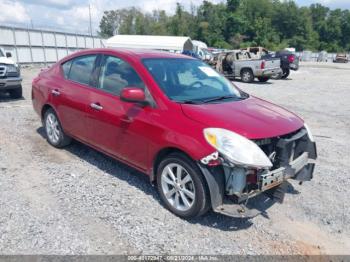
<point x="54" y="132"/>
<point x="182" y="187"/>
<point x="263" y="79"/>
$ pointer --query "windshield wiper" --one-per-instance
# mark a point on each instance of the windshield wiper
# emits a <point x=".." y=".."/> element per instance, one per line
<point x="218" y="98"/>
<point x="192" y="102"/>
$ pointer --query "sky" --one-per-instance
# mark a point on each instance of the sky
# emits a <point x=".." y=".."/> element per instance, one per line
<point x="73" y="15"/>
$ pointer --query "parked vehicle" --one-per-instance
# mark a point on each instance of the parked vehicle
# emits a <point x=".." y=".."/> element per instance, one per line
<point x="10" y="76"/>
<point x="205" y="143"/>
<point x="191" y="53"/>
<point x="289" y="61"/>
<point x="341" y="58"/>
<point x="239" y="63"/>
<point x="322" y="56"/>
<point x="257" y="52"/>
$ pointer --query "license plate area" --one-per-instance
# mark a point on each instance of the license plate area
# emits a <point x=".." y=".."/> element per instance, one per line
<point x="272" y="179"/>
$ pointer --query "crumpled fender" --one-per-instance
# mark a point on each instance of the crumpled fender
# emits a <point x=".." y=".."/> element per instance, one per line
<point x="215" y="179"/>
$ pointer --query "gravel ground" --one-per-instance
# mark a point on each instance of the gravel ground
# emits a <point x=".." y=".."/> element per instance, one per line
<point x="78" y="201"/>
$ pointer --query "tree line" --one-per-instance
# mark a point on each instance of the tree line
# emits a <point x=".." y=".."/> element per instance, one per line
<point x="273" y="24"/>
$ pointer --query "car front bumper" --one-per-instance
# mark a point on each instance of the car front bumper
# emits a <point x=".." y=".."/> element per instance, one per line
<point x="297" y="161"/>
<point x="9" y="83"/>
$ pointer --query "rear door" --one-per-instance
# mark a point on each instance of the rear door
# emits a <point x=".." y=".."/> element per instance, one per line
<point x="72" y="97"/>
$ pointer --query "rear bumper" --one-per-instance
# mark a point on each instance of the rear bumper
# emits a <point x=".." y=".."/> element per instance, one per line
<point x="9" y="83"/>
<point x="268" y="72"/>
<point x="294" y="67"/>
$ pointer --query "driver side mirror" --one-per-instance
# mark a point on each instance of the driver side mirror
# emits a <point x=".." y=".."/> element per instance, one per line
<point x="8" y="54"/>
<point x="133" y="95"/>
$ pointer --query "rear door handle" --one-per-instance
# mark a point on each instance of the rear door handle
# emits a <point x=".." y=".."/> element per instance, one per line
<point x="96" y="106"/>
<point x="55" y="92"/>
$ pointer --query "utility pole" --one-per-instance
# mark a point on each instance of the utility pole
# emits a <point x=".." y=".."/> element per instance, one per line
<point x="90" y="19"/>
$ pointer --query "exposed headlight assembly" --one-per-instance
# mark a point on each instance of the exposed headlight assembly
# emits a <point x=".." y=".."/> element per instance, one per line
<point x="236" y="148"/>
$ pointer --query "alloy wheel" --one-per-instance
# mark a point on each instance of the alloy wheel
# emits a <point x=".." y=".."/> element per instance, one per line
<point x="178" y="187"/>
<point x="52" y="128"/>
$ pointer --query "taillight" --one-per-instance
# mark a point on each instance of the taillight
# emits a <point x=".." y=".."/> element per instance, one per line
<point x="291" y="58"/>
<point x="262" y="66"/>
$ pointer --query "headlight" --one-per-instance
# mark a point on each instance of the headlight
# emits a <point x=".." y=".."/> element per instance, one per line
<point x="12" y="69"/>
<point x="236" y="148"/>
<point x="311" y="137"/>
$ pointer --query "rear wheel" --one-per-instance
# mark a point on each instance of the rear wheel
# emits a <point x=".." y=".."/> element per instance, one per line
<point x="54" y="132"/>
<point x="247" y="75"/>
<point x="16" y="93"/>
<point x="263" y="79"/>
<point x="285" y="73"/>
<point x="182" y="187"/>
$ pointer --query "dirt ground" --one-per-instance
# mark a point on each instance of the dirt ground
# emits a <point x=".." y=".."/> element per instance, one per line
<point x="78" y="201"/>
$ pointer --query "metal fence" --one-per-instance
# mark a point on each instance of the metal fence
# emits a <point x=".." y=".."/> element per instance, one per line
<point x="43" y="46"/>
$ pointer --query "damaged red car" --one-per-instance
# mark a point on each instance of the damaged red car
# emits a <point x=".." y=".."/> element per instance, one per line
<point x="203" y="142"/>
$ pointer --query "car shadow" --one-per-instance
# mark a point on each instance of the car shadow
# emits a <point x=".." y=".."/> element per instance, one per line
<point x="254" y="82"/>
<point x="140" y="181"/>
<point x="5" y="97"/>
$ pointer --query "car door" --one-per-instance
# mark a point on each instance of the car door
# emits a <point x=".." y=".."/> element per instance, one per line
<point x="117" y="127"/>
<point x="72" y="96"/>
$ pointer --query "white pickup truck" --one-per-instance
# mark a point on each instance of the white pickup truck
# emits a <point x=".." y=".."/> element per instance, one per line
<point x="239" y="63"/>
<point x="10" y="76"/>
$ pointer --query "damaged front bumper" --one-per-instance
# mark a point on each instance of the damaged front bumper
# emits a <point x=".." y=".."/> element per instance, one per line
<point x="294" y="158"/>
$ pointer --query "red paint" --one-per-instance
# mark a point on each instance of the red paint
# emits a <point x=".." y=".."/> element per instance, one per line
<point x="135" y="133"/>
<point x="131" y="94"/>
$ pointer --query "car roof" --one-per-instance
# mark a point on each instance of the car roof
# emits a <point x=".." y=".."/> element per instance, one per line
<point x="136" y="53"/>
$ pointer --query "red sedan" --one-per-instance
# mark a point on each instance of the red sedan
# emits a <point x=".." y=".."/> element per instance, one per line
<point x="202" y="141"/>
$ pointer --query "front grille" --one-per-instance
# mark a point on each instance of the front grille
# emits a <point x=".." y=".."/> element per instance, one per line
<point x="281" y="150"/>
<point x="12" y="74"/>
<point x="2" y="70"/>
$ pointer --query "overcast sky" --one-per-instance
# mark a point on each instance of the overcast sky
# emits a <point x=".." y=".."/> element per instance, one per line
<point x="73" y="15"/>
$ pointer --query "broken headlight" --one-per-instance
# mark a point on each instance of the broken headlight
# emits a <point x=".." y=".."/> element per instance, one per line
<point x="236" y="148"/>
<point x="311" y="137"/>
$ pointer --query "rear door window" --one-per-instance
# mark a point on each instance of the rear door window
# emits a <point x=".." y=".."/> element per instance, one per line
<point x="82" y="68"/>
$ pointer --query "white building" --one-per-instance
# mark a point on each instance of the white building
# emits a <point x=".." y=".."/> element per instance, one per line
<point x="168" y="43"/>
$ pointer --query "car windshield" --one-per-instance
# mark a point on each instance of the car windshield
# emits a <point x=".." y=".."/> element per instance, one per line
<point x="191" y="81"/>
<point x="1" y="53"/>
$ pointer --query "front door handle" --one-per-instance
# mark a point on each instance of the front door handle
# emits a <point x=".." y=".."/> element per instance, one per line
<point x="55" y="92"/>
<point x="96" y="106"/>
<point x="127" y="119"/>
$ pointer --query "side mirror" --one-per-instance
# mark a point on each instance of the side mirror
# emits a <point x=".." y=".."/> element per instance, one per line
<point x="8" y="55"/>
<point x="133" y="95"/>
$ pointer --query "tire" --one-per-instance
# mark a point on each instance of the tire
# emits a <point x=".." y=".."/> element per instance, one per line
<point x="53" y="129"/>
<point x="247" y="76"/>
<point x="199" y="202"/>
<point x="285" y="73"/>
<point x="263" y="79"/>
<point x="16" y="93"/>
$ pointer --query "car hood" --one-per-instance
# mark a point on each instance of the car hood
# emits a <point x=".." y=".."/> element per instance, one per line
<point x="253" y="118"/>
<point x="5" y="60"/>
